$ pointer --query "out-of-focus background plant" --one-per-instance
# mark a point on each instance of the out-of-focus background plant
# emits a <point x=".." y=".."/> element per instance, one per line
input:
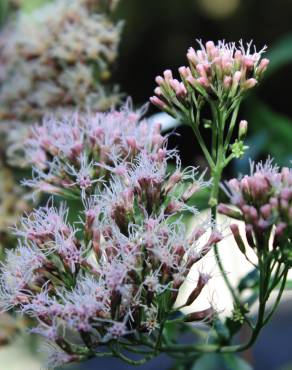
<point x="55" y="57"/>
<point x="156" y="35"/>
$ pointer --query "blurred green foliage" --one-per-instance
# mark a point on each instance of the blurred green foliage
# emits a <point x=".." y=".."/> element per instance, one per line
<point x="221" y="362"/>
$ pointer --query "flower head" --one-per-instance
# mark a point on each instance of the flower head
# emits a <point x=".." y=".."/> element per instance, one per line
<point x="223" y="71"/>
<point x="73" y="153"/>
<point x="106" y="280"/>
<point x="264" y="203"/>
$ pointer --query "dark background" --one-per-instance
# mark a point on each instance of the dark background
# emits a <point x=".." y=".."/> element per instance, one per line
<point x="158" y="33"/>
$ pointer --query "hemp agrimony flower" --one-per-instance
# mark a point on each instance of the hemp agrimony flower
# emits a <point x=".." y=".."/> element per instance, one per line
<point x="217" y="75"/>
<point x="107" y="283"/>
<point x="72" y="153"/>
<point x="263" y="200"/>
<point x="217" y="79"/>
<point x="223" y="71"/>
<point x="113" y="281"/>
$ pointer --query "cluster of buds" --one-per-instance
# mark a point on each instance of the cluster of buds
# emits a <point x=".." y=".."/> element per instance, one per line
<point x="73" y="153"/>
<point x="113" y="281"/>
<point x="216" y="72"/>
<point x="58" y="56"/>
<point x="263" y="200"/>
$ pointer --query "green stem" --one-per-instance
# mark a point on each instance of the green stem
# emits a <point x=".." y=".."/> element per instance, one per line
<point x="231" y="126"/>
<point x="129" y="361"/>
<point x="202" y="145"/>
<point x="216" y="178"/>
<point x="278" y="299"/>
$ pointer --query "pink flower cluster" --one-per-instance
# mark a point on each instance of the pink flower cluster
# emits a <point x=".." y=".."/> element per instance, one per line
<point x="223" y="71"/>
<point x="263" y="201"/>
<point x="76" y="151"/>
<point x="116" y="278"/>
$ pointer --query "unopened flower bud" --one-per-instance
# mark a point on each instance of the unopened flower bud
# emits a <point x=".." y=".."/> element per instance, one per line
<point x="191" y="55"/>
<point x="229" y="212"/>
<point x="249" y="235"/>
<point x="190" y="191"/>
<point x="249" y="84"/>
<point x="200" y="315"/>
<point x="285" y="173"/>
<point x="263" y="224"/>
<point x="262" y="66"/>
<point x="184" y="72"/>
<point x="90" y="217"/>
<point x="215" y="238"/>
<point x="159" y="80"/>
<point x="202" y="281"/>
<point x="210" y="45"/>
<point x="173" y="207"/>
<point x="248" y="62"/>
<point x="227" y="82"/>
<point x="242" y="129"/>
<point x="266" y="211"/>
<point x="236" y="234"/>
<point x="167" y="75"/>
<point x="196" y="234"/>
<point x="286" y="194"/>
<point x="280" y="228"/>
<point x="235" y="82"/>
<point x="158" y="102"/>
<point x="158" y="91"/>
<point x="203" y="81"/>
<point x="200" y="68"/>
<point x="194" y="83"/>
<point x="174" y="179"/>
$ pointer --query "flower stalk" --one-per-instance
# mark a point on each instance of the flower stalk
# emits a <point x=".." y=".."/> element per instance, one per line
<point x="218" y="76"/>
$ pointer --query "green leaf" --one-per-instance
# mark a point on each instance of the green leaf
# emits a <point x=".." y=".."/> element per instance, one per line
<point x="4" y="8"/>
<point x="233" y="326"/>
<point x="250" y="281"/>
<point x="213" y="361"/>
<point x="276" y="128"/>
<point x="280" y="55"/>
<point x="30" y="5"/>
<point x="288" y="285"/>
<point x="234" y="362"/>
<point x="222" y="331"/>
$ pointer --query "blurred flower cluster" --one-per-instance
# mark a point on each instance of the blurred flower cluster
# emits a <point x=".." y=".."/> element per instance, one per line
<point x="112" y="281"/>
<point x="74" y="151"/>
<point x="57" y="57"/>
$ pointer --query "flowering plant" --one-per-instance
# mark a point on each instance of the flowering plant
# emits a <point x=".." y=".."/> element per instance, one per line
<point x="107" y="284"/>
<point x="114" y="280"/>
<point x="56" y="57"/>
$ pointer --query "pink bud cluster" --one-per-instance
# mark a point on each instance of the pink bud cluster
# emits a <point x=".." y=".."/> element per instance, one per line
<point x="116" y="278"/>
<point x="74" y="152"/>
<point x="223" y="71"/>
<point x="263" y="201"/>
